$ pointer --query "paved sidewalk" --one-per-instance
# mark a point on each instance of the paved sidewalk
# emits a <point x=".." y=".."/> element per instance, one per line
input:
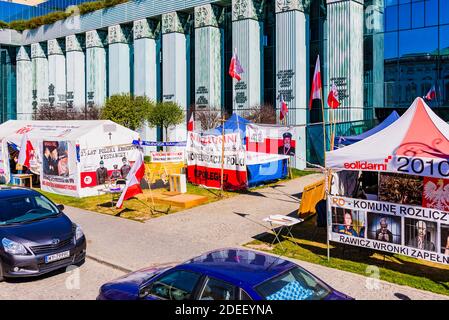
<point x="364" y="288"/>
<point x="177" y="237"/>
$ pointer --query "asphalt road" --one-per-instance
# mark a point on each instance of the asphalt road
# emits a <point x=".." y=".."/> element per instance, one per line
<point x="73" y="284"/>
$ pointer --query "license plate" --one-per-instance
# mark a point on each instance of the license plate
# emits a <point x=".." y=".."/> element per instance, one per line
<point x="57" y="256"/>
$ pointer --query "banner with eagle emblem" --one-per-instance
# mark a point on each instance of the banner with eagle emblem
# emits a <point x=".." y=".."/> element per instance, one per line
<point x="436" y="193"/>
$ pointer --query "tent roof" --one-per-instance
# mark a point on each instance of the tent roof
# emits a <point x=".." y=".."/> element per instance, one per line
<point x="43" y="129"/>
<point x="346" y="141"/>
<point x="234" y="123"/>
<point x="418" y="133"/>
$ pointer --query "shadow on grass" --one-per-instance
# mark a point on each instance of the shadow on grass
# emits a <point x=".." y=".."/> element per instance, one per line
<point x="119" y="214"/>
<point x="108" y="205"/>
<point x="310" y="245"/>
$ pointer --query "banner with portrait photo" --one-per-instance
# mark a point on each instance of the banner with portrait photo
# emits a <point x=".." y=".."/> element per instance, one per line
<point x="405" y="229"/>
<point x="267" y="143"/>
<point x="204" y="161"/>
<point x="103" y="164"/>
<point x="58" y="174"/>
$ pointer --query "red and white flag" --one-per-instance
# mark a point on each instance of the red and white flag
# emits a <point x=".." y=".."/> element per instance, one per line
<point x="235" y="68"/>
<point x="316" y="84"/>
<point x="133" y="179"/>
<point x="332" y="98"/>
<point x="432" y="94"/>
<point x="26" y="151"/>
<point x="191" y="123"/>
<point x="283" y="107"/>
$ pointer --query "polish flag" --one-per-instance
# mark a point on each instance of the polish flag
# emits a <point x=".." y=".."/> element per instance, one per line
<point x="432" y="94"/>
<point x="283" y="107"/>
<point x="332" y="98"/>
<point x="316" y="83"/>
<point x="235" y="68"/>
<point x="26" y="151"/>
<point x="191" y="123"/>
<point x="133" y="179"/>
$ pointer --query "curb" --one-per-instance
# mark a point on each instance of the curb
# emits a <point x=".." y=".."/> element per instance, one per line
<point x="109" y="264"/>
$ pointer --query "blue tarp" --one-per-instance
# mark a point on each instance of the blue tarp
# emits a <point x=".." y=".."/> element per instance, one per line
<point x="257" y="173"/>
<point x="264" y="172"/>
<point x="348" y="140"/>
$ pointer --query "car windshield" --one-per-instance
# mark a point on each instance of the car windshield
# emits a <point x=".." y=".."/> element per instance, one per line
<point x="25" y="209"/>
<point x="295" y="284"/>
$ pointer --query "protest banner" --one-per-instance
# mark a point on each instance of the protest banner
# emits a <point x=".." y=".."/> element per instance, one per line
<point x="204" y="161"/>
<point x="267" y="143"/>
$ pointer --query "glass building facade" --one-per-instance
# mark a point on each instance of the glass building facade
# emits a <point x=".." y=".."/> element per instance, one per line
<point x="403" y="51"/>
<point x="416" y="51"/>
<point x="10" y="11"/>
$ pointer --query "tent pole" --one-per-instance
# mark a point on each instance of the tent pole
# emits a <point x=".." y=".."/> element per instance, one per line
<point x="222" y="155"/>
<point x="328" y="212"/>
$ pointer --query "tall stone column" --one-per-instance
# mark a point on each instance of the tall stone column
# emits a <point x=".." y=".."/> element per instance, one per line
<point x="146" y="68"/>
<point x="174" y="68"/>
<point x="345" y="56"/>
<point x="119" y="77"/>
<point x="292" y="68"/>
<point x="246" y="33"/>
<point x="24" y="84"/>
<point x="56" y="73"/>
<point x="76" y="74"/>
<point x="7" y="84"/>
<point x="96" y="86"/>
<point x="209" y="88"/>
<point x="39" y="63"/>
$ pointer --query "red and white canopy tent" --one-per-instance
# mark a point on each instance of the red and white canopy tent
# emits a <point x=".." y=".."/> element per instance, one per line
<point x="417" y="143"/>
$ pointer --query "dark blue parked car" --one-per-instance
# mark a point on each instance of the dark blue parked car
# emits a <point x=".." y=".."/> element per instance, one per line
<point x="36" y="237"/>
<point x="227" y="274"/>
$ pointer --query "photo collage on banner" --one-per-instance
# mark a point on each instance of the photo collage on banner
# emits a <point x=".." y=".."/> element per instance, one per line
<point x="105" y="164"/>
<point x="391" y="212"/>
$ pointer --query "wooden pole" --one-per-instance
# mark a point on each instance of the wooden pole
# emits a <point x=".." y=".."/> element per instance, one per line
<point x="222" y="154"/>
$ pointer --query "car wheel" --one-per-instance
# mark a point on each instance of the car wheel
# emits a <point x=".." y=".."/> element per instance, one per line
<point x="81" y="262"/>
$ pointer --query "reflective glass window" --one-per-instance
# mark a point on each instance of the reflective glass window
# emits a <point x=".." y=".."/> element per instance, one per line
<point x="431" y="12"/>
<point x="444" y="12"/>
<point x="444" y="40"/>
<point x="391" y="18"/>
<point x="390" y="2"/>
<point x="405" y="16"/>
<point x="418" y="15"/>
<point x="391" y="45"/>
<point x="418" y="41"/>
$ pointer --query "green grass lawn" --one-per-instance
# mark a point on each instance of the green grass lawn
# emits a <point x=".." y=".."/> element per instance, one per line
<point x="393" y="268"/>
<point x="138" y="209"/>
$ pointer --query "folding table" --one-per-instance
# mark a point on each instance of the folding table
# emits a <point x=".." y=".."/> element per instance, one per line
<point x="284" y="222"/>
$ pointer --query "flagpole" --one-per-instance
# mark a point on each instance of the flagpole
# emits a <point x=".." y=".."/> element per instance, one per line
<point x="324" y="127"/>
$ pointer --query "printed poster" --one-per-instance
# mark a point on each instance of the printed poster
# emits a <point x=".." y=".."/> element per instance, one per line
<point x="204" y="161"/>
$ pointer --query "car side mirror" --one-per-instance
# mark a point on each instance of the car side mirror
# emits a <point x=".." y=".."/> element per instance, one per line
<point x="60" y="207"/>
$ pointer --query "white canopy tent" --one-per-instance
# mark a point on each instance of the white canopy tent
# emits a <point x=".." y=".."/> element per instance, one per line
<point x="417" y="143"/>
<point x="409" y="213"/>
<point x="67" y="154"/>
